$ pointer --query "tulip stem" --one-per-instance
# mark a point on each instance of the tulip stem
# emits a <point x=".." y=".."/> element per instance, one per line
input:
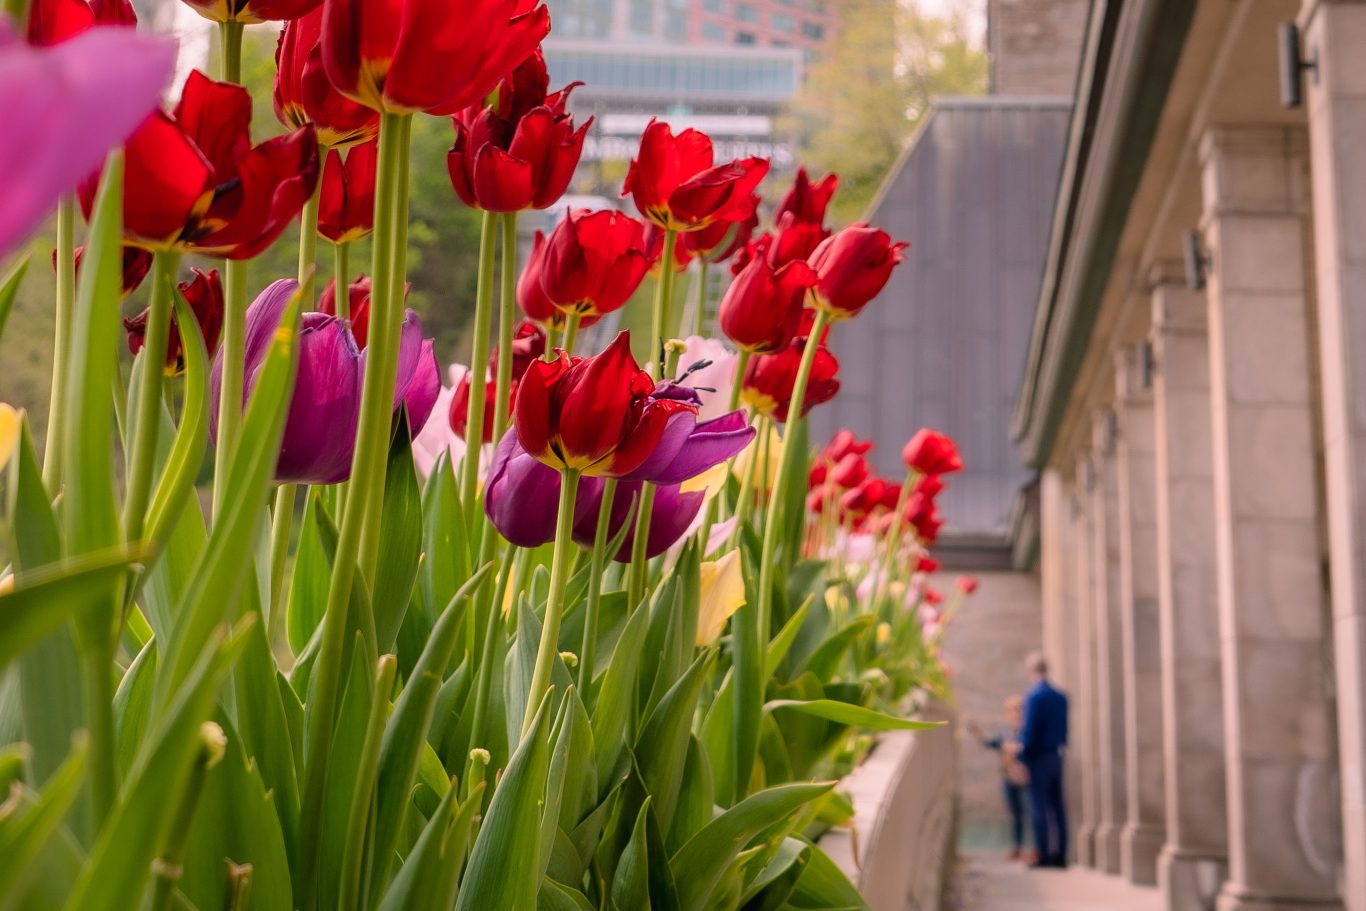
<point x="749" y="687"/>
<point x="571" y="332"/>
<point x="281" y="525"/>
<point x="741" y="365"/>
<point x="892" y="543"/>
<point x="368" y="467"/>
<point x="635" y="586"/>
<point x="147" y="417"/>
<point x="492" y="627"/>
<point x="66" y="301"/>
<point x="479" y="360"/>
<point x="341" y="256"/>
<point x="230" y="36"/>
<point x="588" y="651"/>
<point x="554" y="605"/>
<point x="507" y="315"/>
<point x="308" y="233"/>
<point x="664" y="295"/>
<point x="234" y="310"/>
<point x="699" y="318"/>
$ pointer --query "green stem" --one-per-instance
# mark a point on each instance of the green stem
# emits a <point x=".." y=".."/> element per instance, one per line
<point x="281" y="526"/>
<point x="367" y="472"/>
<point x="167" y="868"/>
<point x="554" y="605"/>
<point x="99" y="702"/>
<point x="571" y="332"/>
<point x="741" y="365"/>
<point x="341" y="256"/>
<point x="230" y="36"/>
<point x="486" y="669"/>
<point x="699" y="318"/>
<point x="507" y="315"/>
<point x="587" y="652"/>
<point x="61" y="343"/>
<point x="664" y="295"/>
<point x="234" y="310"/>
<point x="749" y="689"/>
<point x="147" y="418"/>
<point x="479" y="360"/>
<point x="744" y="503"/>
<point x="892" y="543"/>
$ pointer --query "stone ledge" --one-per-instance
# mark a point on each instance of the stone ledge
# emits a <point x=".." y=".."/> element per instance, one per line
<point x="899" y="848"/>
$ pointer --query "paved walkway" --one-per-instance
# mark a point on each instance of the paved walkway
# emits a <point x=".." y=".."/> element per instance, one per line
<point x="989" y="883"/>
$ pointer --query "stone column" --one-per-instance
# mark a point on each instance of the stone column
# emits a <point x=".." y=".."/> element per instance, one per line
<point x="1082" y="758"/>
<point x="1194" y="861"/>
<point x="1109" y="644"/>
<point x="1143" y="832"/>
<point x="1280" y="747"/>
<point x="1336" y="33"/>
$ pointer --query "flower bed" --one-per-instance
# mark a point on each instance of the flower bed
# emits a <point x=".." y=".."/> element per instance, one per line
<point x="612" y="652"/>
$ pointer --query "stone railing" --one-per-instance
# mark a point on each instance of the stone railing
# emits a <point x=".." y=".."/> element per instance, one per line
<point x="900" y="848"/>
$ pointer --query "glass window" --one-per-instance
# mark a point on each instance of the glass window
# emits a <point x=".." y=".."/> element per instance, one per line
<point x="744" y="38"/>
<point x="712" y="31"/>
<point x="813" y="30"/>
<point x="746" y="12"/>
<point x="782" y="22"/>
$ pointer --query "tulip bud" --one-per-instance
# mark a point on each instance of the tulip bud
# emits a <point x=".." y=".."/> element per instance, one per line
<point x="931" y="453"/>
<point x="852" y="267"/>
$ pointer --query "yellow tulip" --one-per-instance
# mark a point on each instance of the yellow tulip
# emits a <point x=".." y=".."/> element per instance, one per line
<point x="723" y="591"/>
<point x="10" y="418"/>
<point x="765" y="470"/>
<point x="713" y="481"/>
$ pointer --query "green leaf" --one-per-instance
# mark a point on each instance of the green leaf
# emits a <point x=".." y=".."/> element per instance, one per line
<point x="132" y="707"/>
<point x="236" y="822"/>
<point x="557" y="897"/>
<point x="844" y="713"/>
<point x="9" y="290"/>
<point x="312" y="575"/>
<point x="505" y="862"/>
<point x="825" y="661"/>
<point x="824" y="885"/>
<point x="778" y="648"/>
<point x="662" y="747"/>
<point x="222" y="569"/>
<point x="779" y="873"/>
<point x="119" y="865"/>
<point x="699" y="865"/>
<point x="176" y="488"/>
<point x="443" y="539"/>
<point x="631" y="884"/>
<point x="51" y="595"/>
<point x="612" y="716"/>
<point x="696" y="797"/>
<point x="430" y="876"/>
<point x="26" y="829"/>
<point x="344" y="770"/>
<point x="50" y="693"/>
<point x="406" y="732"/>
<point x="400" y="539"/>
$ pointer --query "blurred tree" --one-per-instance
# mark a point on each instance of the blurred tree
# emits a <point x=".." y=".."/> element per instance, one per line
<point x="862" y="103"/>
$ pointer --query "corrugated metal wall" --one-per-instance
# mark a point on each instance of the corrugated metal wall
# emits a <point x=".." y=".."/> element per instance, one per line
<point x="944" y="345"/>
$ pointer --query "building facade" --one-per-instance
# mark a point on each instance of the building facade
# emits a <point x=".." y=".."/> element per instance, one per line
<point x="1194" y="401"/>
<point x="808" y="25"/>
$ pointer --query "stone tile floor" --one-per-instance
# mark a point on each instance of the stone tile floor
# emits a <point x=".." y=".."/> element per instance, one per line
<point x="987" y="882"/>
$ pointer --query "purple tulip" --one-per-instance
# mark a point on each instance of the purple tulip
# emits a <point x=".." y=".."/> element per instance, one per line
<point x="64" y="107"/>
<point x="324" y="409"/>
<point x="671" y="516"/>
<point x="522" y="494"/>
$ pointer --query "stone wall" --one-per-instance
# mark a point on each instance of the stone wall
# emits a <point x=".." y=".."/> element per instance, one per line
<point x="1035" y="45"/>
<point x="988" y="641"/>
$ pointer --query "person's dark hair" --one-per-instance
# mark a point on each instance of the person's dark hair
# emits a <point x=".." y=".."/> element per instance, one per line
<point x="1037" y="664"/>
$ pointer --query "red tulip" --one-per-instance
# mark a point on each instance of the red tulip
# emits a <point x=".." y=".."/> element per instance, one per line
<point x="863" y="499"/>
<point x="304" y="96"/>
<point x="528" y="345"/>
<point x="850" y="471"/>
<point x="597" y="415"/>
<point x="194" y="182"/>
<point x="136" y="264"/>
<point x="844" y="443"/>
<point x="933" y="596"/>
<point x="204" y="294"/>
<point x="249" y="11"/>
<point x="761" y="310"/>
<point x="926" y="564"/>
<point x="675" y="184"/>
<point x="346" y="203"/>
<point x="967" y="584"/>
<point x="521" y="152"/>
<point x="54" y="21"/>
<point x="438" y="56"/>
<point x="930" y="452"/>
<point x="794" y="240"/>
<point x="854" y="266"/>
<point x="770" y="378"/>
<point x="591" y="264"/>
<point x="806" y="202"/>
<point x="722" y="239"/>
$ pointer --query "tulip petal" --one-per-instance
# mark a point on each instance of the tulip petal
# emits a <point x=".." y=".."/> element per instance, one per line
<point x="73" y="101"/>
<point x="165" y="177"/>
<point x="278" y="177"/>
<point x="216" y="117"/>
<point x="522" y="495"/>
<point x="672" y="514"/>
<point x="263" y="318"/>
<point x="502" y="182"/>
<point x="320" y="431"/>
<point x="424" y="389"/>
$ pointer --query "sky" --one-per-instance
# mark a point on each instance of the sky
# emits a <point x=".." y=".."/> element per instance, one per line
<point x="974" y="10"/>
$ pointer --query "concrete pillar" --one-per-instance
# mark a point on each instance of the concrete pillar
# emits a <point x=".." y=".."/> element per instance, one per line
<point x="1082" y="752"/>
<point x="1109" y="651"/>
<point x="1335" y="33"/>
<point x="1280" y="744"/>
<point x="1194" y="861"/>
<point x="1143" y="833"/>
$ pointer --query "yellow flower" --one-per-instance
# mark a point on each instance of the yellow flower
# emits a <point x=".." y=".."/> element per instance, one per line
<point x="713" y="481"/>
<point x="10" y="418"/>
<point x="723" y="591"/>
<point x="884" y="633"/>
<point x="765" y="470"/>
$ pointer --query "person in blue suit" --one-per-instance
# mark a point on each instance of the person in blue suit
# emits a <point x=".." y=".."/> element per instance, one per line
<point x="1043" y="744"/>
